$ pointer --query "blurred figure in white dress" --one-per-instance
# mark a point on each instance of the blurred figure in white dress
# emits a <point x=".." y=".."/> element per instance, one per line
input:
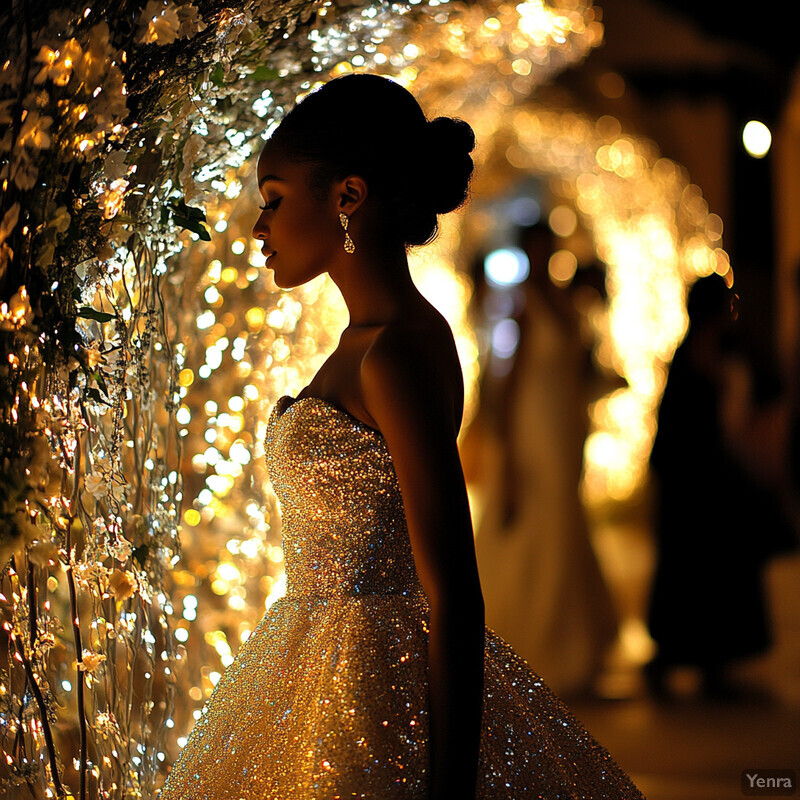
<point x="542" y="585"/>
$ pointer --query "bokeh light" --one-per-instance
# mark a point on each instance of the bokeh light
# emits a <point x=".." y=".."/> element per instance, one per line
<point x="507" y="266"/>
<point x="756" y="138"/>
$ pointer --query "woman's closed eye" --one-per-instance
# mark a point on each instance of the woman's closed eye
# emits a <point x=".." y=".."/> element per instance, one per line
<point x="271" y="205"/>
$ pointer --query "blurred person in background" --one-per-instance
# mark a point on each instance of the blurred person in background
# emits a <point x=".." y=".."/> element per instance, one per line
<point x="542" y="586"/>
<point x="717" y="464"/>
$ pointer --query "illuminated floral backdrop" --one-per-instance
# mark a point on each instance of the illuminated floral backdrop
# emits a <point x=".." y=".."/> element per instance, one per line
<point x="141" y="345"/>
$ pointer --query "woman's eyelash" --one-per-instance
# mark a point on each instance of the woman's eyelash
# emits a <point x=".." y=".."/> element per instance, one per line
<point x="271" y="206"/>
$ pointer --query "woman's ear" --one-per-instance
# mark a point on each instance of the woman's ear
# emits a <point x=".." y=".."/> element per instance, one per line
<point x="350" y="193"/>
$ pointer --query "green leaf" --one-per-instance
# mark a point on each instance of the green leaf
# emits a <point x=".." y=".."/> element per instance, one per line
<point x="216" y="75"/>
<point x="101" y="382"/>
<point x="91" y="313"/>
<point x="265" y="73"/>
<point x="190" y="218"/>
<point x="180" y="208"/>
<point x="192" y="225"/>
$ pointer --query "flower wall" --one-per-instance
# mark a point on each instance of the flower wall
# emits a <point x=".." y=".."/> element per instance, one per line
<point x="116" y="123"/>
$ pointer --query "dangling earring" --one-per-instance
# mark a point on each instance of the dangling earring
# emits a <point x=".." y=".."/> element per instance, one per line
<point x="349" y="244"/>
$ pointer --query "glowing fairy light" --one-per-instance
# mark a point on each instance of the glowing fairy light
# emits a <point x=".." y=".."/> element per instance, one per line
<point x="757" y="138"/>
<point x="563" y="221"/>
<point x="507" y="266"/>
<point x="543" y="24"/>
<point x="113" y="198"/>
<point x="562" y="266"/>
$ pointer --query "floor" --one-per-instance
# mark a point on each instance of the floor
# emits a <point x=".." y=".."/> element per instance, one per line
<point x="689" y="750"/>
<point x="686" y="748"/>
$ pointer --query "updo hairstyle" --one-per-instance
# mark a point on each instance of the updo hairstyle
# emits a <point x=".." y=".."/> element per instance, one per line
<point x="370" y="126"/>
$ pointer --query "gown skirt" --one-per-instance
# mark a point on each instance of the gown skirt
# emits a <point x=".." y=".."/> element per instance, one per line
<point x="328" y="697"/>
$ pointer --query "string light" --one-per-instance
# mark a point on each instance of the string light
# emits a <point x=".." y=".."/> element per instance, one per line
<point x="757" y="138"/>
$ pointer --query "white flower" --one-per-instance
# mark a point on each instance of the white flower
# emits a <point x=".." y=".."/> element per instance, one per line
<point x="58" y="64"/>
<point x="91" y="661"/>
<point x="160" y="22"/>
<point x="114" y="359"/>
<point x="90" y="574"/>
<point x="9" y="222"/>
<point x="233" y="24"/>
<point x="107" y="725"/>
<point x="34" y="131"/>
<point x="120" y="548"/>
<point x="191" y="21"/>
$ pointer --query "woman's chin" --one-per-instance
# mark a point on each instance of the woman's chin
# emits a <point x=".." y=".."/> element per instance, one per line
<point x="279" y="279"/>
<point x="290" y="281"/>
<point x="276" y="275"/>
<point x="284" y="283"/>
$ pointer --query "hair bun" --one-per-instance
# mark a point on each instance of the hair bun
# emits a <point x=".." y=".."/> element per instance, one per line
<point x="451" y="132"/>
<point x="447" y="144"/>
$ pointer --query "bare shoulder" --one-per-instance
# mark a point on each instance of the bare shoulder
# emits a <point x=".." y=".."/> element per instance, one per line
<point x="411" y="364"/>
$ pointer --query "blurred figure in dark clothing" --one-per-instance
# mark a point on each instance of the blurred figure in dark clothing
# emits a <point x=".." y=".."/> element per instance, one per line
<point x="715" y="524"/>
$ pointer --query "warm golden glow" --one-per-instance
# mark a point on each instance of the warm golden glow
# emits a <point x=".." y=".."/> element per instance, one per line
<point x="163" y="430"/>
<point x="757" y="138"/>
<point x="653" y="231"/>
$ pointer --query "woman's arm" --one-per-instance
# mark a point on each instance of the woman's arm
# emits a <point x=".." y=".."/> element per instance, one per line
<point x="411" y="390"/>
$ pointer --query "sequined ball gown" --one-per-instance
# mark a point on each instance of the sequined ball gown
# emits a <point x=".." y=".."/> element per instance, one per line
<point x="328" y="697"/>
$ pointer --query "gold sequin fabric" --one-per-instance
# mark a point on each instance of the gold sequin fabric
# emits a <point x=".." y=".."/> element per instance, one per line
<point x="328" y="697"/>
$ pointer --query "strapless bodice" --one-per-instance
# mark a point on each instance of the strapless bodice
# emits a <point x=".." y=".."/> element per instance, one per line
<point x="343" y="524"/>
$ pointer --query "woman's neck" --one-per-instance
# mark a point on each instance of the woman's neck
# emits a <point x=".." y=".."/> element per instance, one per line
<point x="376" y="287"/>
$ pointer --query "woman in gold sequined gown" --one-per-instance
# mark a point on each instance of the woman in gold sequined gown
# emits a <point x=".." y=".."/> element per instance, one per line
<point x="375" y="676"/>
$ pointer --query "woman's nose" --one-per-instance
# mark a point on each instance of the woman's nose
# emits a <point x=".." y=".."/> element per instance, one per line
<point x="261" y="229"/>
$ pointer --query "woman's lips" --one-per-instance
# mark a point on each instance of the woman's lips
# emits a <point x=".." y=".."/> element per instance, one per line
<point x="268" y="254"/>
